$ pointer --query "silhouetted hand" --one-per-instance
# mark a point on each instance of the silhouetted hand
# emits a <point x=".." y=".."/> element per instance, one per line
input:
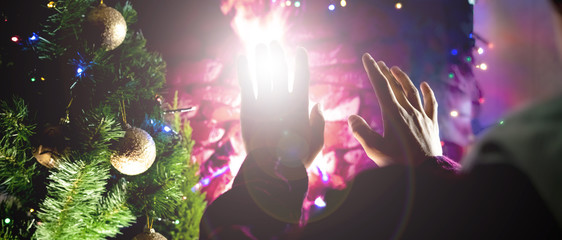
<point x="279" y="119"/>
<point x="411" y="133"/>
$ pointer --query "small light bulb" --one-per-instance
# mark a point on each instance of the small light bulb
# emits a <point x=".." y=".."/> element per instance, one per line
<point x="297" y="4"/>
<point x="483" y="66"/>
<point x="398" y="5"/>
<point x="480" y="51"/>
<point x="167" y="129"/>
<point x="451" y="75"/>
<point x="454" y="113"/>
<point x="79" y="70"/>
<point x="331" y="7"/>
<point x="42" y="79"/>
<point x="15" y="39"/>
<point x="7" y="220"/>
<point x="343" y="3"/>
<point x="31" y="210"/>
<point x="288" y="3"/>
<point x="319" y="202"/>
<point x="33" y="79"/>
<point x="51" y="4"/>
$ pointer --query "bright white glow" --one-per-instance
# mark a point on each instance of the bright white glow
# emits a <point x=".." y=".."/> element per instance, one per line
<point x="288" y="3"/>
<point x="471" y="2"/>
<point x="480" y="51"/>
<point x="167" y="129"/>
<point x="15" y="39"/>
<point x="79" y="70"/>
<point x="343" y="3"/>
<point x="297" y="4"/>
<point x="483" y="66"/>
<point x="331" y="7"/>
<point x="454" y="113"/>
<point x="319" y="202"/>
<point x="398" y="5"/>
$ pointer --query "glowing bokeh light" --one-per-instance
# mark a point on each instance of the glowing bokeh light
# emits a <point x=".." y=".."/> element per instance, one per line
<point x="481" y="100"/>
<point x="483" y="66"/>
<point x="51" y="4"/>
<point x="343" y="3"/>
<point x="331" y="7"/>
<point x="7" y="220"/>
<point x="79" y="71"/>
<point x="454" y="113"/>
<point x="33" y="79"/>
<point x="288" y="3"/>
<point x="297" y="4"/>
<point x="451" y="75"/>
<point x="480" y="51"/>
<point x="454" y="52"/>
<point x="319" y="202"/>
<point x="167" y="129"/>
<point x="398" y="5"/>
<point x="15" y="39"/>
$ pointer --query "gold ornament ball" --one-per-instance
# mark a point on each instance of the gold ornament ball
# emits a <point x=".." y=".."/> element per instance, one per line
<point x="135" y="152"/>
<point x="46" y="156"/>
<point x="149" y="234"/>
<point x="106" y="27"/>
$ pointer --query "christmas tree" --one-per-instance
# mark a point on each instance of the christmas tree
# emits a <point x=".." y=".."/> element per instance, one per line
<point x="87" y="150"/>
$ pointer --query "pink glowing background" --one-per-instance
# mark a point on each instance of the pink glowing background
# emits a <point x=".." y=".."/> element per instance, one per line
<point x="419" y="37"/>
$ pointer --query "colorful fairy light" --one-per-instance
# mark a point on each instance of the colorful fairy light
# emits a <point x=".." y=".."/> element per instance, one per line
<point x="454" y="52"/>
<point x="167" y="129"/>
<point x="15" y="39"/>
<point x="51" y="4"/>
<point x="454" y="113"/>
<point x="343" y="3"/>
<point x="288" y="3"/>
<point x="319" y="202"/>
<point x="483" y="66"/>
<point x="480" y="51"/>
<point x="297" y="4"/>
<point x="451" y="75"/>
<point x="7" y="220"/>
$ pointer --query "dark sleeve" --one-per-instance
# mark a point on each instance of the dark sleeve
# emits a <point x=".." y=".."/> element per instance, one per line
<point x="265" y="200"/>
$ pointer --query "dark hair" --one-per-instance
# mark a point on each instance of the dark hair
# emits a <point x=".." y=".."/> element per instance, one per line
<point x="557" y="5"/>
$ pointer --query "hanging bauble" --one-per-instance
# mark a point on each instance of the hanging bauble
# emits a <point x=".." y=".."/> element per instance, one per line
<point x="149" y="234"/>
<point x="48" y="157"/>
<point x="52" y="144"/>
<point x="135" y="152"/>
<point x="106" y="26"/>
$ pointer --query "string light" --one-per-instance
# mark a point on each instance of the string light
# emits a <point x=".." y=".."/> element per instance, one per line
<point x="31" y="210"/>
<point x="454" y="52"/>
<point x="343" y="3"/>
<point x="297" y="4"/>
<point x="51" y="4"/>
<point x="79" y="71"/>
<point x="288" y="3"/>
<point x="319" y="202"/>
<point x="454" y="113"/>
<point x="167" y="129"/>
<point x="483" y="66"/>
<point x="177" y="222"/>
<point x="468" y="59"/>
<point x="480" y="51"/>
<point x="331" y="7"/>
<point x="33" y="79"/>
<point x="33" y="37"/>
<point x="501" y="122"/>
<point x="398" y="5"/>
<point x="481" y="100"/>
<point x="15" y="39"/>
<point x="7" y="220"/>
<point x="451" y="75"/>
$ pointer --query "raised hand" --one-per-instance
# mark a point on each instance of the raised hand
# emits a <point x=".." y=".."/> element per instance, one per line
<point x="411" y="132"/>
<point x="278" y="118"/>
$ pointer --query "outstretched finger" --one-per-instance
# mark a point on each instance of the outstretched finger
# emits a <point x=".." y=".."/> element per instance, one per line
<point x="262" y="73"/>
<point x="246" y="87"/>
<point x="410" y="90"/>
<point x="429" y="101"/>
<point x="367" y="137"/>
<point x="317" y="124"/>
<point x="395" y="86"/>
<point x="302" y="79"/>
<point x="279" y="76"/>
<point x="386" y="98"/>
